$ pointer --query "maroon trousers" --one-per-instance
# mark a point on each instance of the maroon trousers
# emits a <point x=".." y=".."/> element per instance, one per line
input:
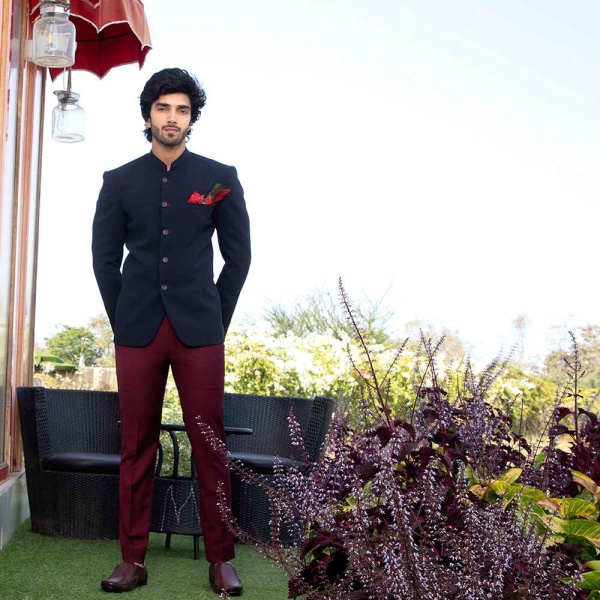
<point x="199" y="374"/>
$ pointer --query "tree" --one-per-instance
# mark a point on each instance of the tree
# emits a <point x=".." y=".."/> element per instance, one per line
<point x="72" y="343"/>
<point x="99" y="325"/>
<point x="320" y="313"/>
<point x="521" y="324"/>
<point x="588" y="342"/>
<point x="453" y="350"/>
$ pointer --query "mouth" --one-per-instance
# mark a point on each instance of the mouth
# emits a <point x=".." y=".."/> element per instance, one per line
<point x="171" y="129"/>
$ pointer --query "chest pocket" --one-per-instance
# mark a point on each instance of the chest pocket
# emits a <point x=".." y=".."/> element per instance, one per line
<point x="200" y="216"/>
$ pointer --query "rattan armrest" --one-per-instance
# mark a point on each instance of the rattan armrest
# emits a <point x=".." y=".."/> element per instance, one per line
<point x="228" y="430"/>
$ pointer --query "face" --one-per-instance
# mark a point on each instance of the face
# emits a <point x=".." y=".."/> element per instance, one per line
<point x="169" y="121"/>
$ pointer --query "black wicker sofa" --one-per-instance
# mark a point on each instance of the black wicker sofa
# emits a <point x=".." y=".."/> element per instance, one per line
<point x="71" y="446"/>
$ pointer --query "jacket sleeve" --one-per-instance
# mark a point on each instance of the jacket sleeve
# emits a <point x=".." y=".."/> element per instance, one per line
<point x="233" y="233"/>
<point x="108" y="238"/>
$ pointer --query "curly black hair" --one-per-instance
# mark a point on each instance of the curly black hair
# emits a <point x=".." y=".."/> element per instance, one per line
<point x="171" y="81"/>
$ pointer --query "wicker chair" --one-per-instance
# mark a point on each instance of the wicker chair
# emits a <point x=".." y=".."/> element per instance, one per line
<point x="72" y="455"/>
<point x="59" y="423"/>
<point x="267" y="416"/>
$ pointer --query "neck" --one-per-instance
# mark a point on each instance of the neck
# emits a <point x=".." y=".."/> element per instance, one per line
<point x="168" y="154"/>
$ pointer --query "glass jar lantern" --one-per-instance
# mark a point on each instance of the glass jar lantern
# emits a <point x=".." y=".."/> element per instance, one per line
<point x="68" y="118"/>
<point x="54" y="37"/>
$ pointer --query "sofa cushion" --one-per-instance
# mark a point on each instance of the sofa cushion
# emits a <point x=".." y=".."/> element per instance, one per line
<point x="83" y="462"/>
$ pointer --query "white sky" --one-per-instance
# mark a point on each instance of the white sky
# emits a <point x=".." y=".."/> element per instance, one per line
<point x="444" y="151"/>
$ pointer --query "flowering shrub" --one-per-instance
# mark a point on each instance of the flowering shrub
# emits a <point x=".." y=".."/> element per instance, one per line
<point x="391" y="511"/>
<point x="261" y="363"/>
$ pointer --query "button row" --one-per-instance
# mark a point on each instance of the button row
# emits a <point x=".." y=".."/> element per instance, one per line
<point x="165" y="259"/>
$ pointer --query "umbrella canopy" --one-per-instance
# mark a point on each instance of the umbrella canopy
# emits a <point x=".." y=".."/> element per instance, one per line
<point x="109" y="33"/>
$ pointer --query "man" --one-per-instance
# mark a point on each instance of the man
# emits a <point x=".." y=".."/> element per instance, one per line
<point x="165" y="310"/>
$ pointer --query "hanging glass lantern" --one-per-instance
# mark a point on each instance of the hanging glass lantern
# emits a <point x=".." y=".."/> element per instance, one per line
<point x="54" y="36"/>
<point x="68" y="118"/>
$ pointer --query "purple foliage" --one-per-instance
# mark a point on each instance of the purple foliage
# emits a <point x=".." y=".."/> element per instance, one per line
<point x="387" y="513"/>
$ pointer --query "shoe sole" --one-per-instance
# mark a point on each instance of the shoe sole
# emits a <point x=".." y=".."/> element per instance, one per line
<point x="106" y="587"/>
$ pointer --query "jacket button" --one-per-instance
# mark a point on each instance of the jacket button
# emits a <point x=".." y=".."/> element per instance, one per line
<point x="164" y="287"/>
<point x="165" y="232"/>
<point x="164" y="180"/>
<point x="164" y="204"/>
<point x="165" y="259"/>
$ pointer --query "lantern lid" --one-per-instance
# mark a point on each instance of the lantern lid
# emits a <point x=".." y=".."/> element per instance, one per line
<point x="67" y="96"/>
<point x="49" y="8"/>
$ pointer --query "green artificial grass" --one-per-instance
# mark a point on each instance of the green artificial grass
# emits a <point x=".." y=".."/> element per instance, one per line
<point x="36" y="567"/>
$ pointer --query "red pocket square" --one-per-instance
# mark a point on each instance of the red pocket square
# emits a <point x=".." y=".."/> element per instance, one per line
<point x="195" y="198"/>
<point x="216" y="194"/>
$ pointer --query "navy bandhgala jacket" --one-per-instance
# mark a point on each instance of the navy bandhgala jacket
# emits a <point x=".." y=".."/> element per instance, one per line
<point x="169" y="266"/>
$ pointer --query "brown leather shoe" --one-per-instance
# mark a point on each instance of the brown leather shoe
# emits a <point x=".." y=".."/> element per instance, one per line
<point x="125" y="577"/>
<point x="223" y="578"/>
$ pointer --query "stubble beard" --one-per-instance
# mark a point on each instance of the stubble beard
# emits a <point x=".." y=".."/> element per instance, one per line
<point x="168" y="140"/>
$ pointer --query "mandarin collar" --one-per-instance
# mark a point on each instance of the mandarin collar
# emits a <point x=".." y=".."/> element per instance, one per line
<point x="159" y="164"/>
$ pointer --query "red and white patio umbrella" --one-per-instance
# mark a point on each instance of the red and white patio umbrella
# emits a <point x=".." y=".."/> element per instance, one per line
<point x="109" y="33"/>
